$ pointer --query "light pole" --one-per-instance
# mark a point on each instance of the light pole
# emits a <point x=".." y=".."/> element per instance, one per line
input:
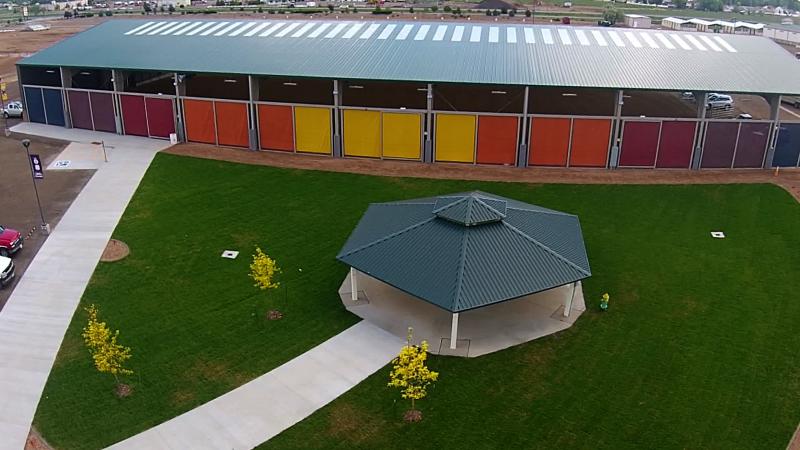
<point x="45" y="226"/>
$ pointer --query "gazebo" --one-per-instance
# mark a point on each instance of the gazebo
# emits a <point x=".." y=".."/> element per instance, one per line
<point x="461" y="253"/>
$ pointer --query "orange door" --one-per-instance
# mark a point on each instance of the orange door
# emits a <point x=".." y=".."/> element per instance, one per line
<point x="590" y="142"/>
<point x="549" y="141"/>
<point x="275" y="127"/>
<point x="232" y="124"/>
<point x="497" y="140"/>
<point x="198" y="115"/>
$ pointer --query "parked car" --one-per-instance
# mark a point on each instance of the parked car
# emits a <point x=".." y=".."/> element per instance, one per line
<point x="6" y="271"/>
<point x="794" y="101"/>
<point x="604" y="23"/>
<point x="13" y="109"/>
<point x="10" y="241"/>
<point x="719" y="101"/>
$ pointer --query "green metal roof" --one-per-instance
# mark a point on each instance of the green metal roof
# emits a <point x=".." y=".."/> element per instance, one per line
<point x="464" y="251"/>
<point x="462" y="52"/>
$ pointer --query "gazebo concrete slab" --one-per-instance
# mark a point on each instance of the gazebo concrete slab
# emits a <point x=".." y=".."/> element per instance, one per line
<point x="487" y="329"/>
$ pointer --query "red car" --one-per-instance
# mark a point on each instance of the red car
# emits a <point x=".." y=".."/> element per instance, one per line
<point x="10" y="241"/>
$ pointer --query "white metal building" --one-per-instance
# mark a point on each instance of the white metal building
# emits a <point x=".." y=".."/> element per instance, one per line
<point x="637" y="21"/>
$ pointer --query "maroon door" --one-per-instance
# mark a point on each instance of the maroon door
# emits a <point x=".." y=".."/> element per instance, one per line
<point x="80" y="110"/>
<point x="103" y="112"/>
<point x="677" y="142"/>
<point x="134" y="118"/>
<point x="160" y="117"/>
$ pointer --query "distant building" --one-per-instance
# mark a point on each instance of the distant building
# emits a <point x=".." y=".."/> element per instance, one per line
<point x="785" y="34"/>
<point x="637" y="21"/>
<point x="175" y="3"/>
<point x="713" y="26"/>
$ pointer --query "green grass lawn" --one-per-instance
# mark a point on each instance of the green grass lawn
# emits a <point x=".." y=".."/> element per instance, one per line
<point x="699" y="349"/>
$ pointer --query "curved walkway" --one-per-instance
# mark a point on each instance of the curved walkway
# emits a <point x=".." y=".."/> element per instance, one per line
<point x="259" y="410"/>
<point x="33" y="321"/>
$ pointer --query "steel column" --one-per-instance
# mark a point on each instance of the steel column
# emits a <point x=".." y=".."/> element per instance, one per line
<point x="337" y="102"/>
<point x="22" y="95"/>
<point x="701" y="98"/>
<point x="616" y="131"/>
<point x="118" y="86"/>
<point x="427" y="154"/>
<point x="180" y="91"/>
<point x="522" y="153"/>
<point x="66" y="82"/>
<point x="251" y="107"/>
<point x="774" y="116"/>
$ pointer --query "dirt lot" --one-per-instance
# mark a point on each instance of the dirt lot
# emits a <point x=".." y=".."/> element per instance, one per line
<point x="18" y="208"/>
<point x="788" y="179"/>
<point x="19" y="44"/>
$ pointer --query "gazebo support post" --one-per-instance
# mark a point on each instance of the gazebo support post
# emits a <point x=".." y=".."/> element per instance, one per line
<point x="454" y="332"/>
<point x="568" y="300"/>
<point x="353" y="285"/>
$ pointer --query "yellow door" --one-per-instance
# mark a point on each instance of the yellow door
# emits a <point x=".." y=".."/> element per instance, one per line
<point x="402" y="135"/>
<point x="312" y="127"/>
<point x="455" y="137"/>
<point x="362" y="133"/>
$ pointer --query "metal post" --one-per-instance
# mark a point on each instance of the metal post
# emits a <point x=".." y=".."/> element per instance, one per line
<point x="427" y="155"/>
<point x="774" y="116"/>
<point x="522" y="154"/>
<point x="454" y="332"/>
<point x="353" y="285"/>
<point x="619" y="100"/>
<point x="45" y="227"/>
<point x="701" y="98"/>
<point x="253" y="92"/>
<point x="568" y="301"/>
<point x="337" y="96"/>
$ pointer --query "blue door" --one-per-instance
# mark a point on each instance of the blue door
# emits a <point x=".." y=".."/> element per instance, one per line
<point x="54" y="107"/>
<point x="787" y="149"/>
<point x="35" y="104"/>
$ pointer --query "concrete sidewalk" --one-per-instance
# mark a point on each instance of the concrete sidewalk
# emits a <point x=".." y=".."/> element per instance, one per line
<point x="262" y="408"/>
<point x="33" y="322"/>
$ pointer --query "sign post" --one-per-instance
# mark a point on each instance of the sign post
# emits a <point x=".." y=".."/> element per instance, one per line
<point x="36" y="172"/>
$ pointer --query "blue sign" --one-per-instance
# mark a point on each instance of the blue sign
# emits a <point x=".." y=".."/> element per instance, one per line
<point x="36" y="167"/>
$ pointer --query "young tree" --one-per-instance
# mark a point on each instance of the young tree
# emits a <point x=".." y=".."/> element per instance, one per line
<point x="612" y="14"/>
<point x="108" y="355"/>
<point x="411" y="375"/>
<point x="263" y="270"/>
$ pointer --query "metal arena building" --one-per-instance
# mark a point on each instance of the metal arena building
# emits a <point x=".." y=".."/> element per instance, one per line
<point x="468" y="92"/>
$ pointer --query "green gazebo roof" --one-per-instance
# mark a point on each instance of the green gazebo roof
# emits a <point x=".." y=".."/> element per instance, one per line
<point x="467" y="250"/>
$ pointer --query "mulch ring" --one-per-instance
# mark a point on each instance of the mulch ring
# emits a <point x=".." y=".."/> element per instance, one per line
<point x="115" y="251"/>
<point x="123" y="390"/>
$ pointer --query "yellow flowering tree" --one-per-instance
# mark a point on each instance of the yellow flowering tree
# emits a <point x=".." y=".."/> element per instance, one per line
<point x="108" y="355"/>
<point x="263" y="270"/>
<point x="604" y="301"/>
<point x="411" y="375"/>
